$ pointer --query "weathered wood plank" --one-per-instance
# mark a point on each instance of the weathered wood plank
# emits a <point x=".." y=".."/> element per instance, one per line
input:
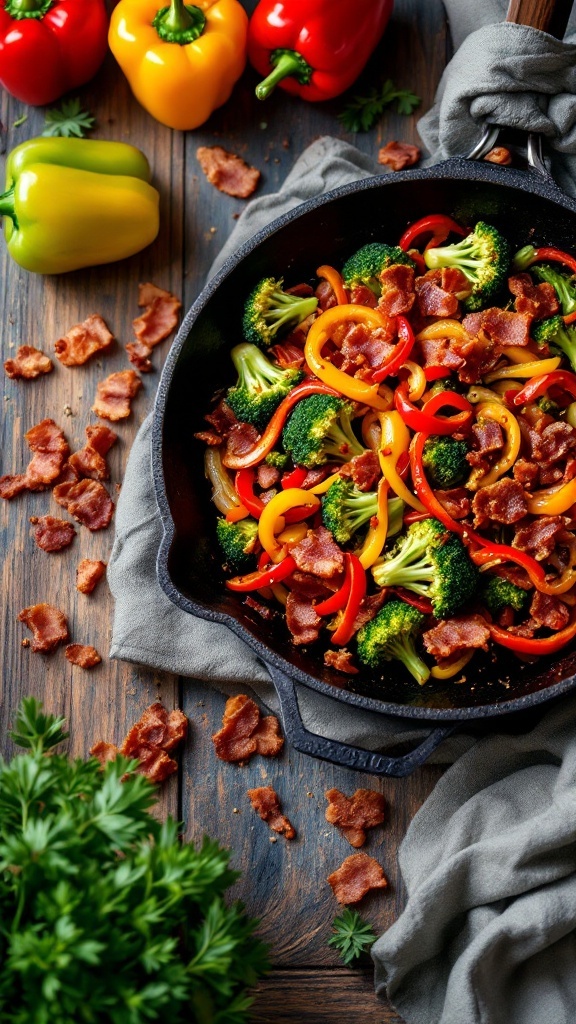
<point x="324" y="997"/>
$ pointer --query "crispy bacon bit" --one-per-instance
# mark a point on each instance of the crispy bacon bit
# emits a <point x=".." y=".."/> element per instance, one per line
<point x="398" y="293"/>
<point x="318" y="553"/>
<point x="487" y="438"/>
<point x="265" y="802"/>
<point x="113" y="395"/>
<point x="355" y="877"/>
<point x="241" y="439"/>
<point x="398" y="155"/>
<point x="83" y="341"/>
<point x="52" y="534"/>
<point x="139" y="356"/>
<point x="267" y="476"/>
<point x="28" y="363"/>
<point x="539" y="300"/>
<point x="301" y="619"/>
<point x="547" y="610"/>
<point x="539" y="537"/>
<point x="526" y="472"/>
<point x="457" y="634"/>
<point x="456" y="501"/>
<point x="88" y="574"/>
<point x="362" y="295"/>
<point x="91" y="460"/>
<point x="480" y="354"/>
<point x="502" y="502"/>
<point x="88" y="501"/>
<point x="500" y="325"/>
<point x="244" y="732"/>
<point x="353" y="815"/>
<point x="369" y="606"/>
<point x="50" y="449"/>
<point x="439" y="352"/>
<point x="364" y="347"/>
<point x="288" y="354"/>
<point x="499" y="155"/>
<point x="432" y="299"/>
<point x="152" y="738"/>
<point x="156" y="323"/>
<point x="325" y="295"/>
<point x="514" y="574"/>
<point x="48" y="625"/>
<point x="227" y="171"/>
<point x="364" y="470"/>
<point x="341" y="660"/>
<point x="104" y="752"/>
<point x="82" y="655"/>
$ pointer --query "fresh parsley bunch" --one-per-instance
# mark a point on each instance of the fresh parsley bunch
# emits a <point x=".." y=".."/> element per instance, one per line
<point x="106" y="917"/>
<point x="352" y="935"/>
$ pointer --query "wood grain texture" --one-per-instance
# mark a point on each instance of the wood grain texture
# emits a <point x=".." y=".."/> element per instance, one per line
<point x="546" y="15"/>
<point x="282" y="883"/>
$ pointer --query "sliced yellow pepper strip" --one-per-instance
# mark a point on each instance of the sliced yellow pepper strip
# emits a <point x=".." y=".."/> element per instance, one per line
<point x="447" y="671"/>
<point x="498" y="414"/>
<point x="292" y="497"/>
<point x="533" y="369"/>
<point x="395" y="439"/>
<point x="553" y="501"/>
<point x="376" y="537"/>
<point x="293" y="534"/>
<point x="477" y="394"/>
<point x="319" y="334"/>
<point x="322" y="487"/>
<point x="280" y="593"/>
<point x="417" y="382"/>
<point x="518" y="354"/>
<point x="444" y="329"/>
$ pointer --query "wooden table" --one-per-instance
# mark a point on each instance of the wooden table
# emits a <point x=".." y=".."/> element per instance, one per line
<point x="282" y="883"/>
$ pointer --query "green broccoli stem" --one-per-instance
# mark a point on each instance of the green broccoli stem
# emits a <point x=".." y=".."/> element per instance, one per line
<point x="254" y="369"/>
<point x="291" y="307"/>
<point x="338" y="443"/>
<point x="412" y="555"/>
<point x="464" y="257"/>
<point x="403" y="650"/>
<point x="566" y="341"/>
<point x="524" y="258"/>
<point x="564" y="287"/>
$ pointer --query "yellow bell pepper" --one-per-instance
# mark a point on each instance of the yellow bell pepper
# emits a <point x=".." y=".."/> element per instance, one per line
<point x="181" y="61"/>
<point x="552" y="501"/>
<point x="376" y="536"/>
<point x="318" y="335"/>
<point x="395" y="439"/>
<point x="444" y="329"/>
<point x="498" y="414"/>
<point x="292" y="497"/>
<point x="452" y="668"/>
<point x="533" y="369"/>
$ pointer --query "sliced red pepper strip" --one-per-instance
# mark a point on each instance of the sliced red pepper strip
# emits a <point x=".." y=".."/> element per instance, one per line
<point x="433" y="373"/>
<point x="263" y="577"/>
<point x="423" y="604"/>
<point x="336" y="601"/>
<point x="570" y="318"/>
<point x="555" y="256"/>
<point x="392" y="364"/>
<point x="357" y="575"/>
<point x="418" y="260"/>
<point x="534" y="645"/>
<point x="423" y="419"/>
<point x="414" y="517"/>
<point x="403" y="465"/>
<point x="538" y="385"/>
<point x="266" y="443"/>
<point x="244" y="484"/>
<point x="295" y="478"/>
<point x="434" y="224"/>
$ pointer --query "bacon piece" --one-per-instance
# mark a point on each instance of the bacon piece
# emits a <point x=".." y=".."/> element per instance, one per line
<point x="341" y="660"/>
<point x="555" y="442"/>
<point x="539" y="300"/>
<point x="52" y="534"/>
<point x="88" y="574"/>
<point x="221" y="418"/>
<point x="50" y="449"/>
<point x="457" y="634"/>
<point x="83" y="341"/>
<point x="539" y="536"/>
<point x="398" y="155"/>
<point x="526" y="472"/>
<point x="480" y="354"/>
<point x="244" y="732"/>
<point x="398" y="293"/>
<point x="355" y="877"/>
<point x="91" y="459"/>
<point x="500" y="325"/>
<point x="318" y="553"/>
<point x="487" y="438"/>
<point x="353" y="815"/>
<point x="456" y="501"/>
<point x="502" y="502"/>
<point x="499" y="155"/>
<point x="159" y="319"/>
<point x="364" y="470"/>
<point x="28" y="363"/>
<point x="139" y="356"/>
<point x="514" y="574"/>
<point x="288" y="354"/>
<point x="364" y="347"/>
<point x="440" y="352"/>
<point x="155" y="734"/>
<point x="267" y="476"/>
<point x="241" y="439"/>
<point x="547" y="610"/>
<point x="369" y="606"/>
<point x="104" y="752"/>
<point x="88" y="501"/>
<point x="114" y="394"/>
<point x="438" y="291"/>
<point x="48" y="625"/>
<point x="227" y="171"/>
<point x="82" y="655"/>
<point x="362" y="295"/>
<point x="265" y="802"/>
<point x="301" y="619"/>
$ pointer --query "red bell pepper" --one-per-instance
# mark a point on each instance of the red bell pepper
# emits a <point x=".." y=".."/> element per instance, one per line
<point x="436" y="224"/>
<point x="538" y="385"/>
<point x="356" y="574"/>
<point x="48" y="47"/>
<point x="262" y="577"/>
<point x="424" y="419"/>
<point x="295" y="478"/>
<point x="392" y="364"/>
<point x="553" y="256"/>
<point x="316" y="49"/>
<point x="423" y="604"/>
<point x="534" y="645"/>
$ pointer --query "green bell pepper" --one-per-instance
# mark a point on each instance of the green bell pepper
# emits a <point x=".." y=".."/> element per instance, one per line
<point x="72" y="203"/>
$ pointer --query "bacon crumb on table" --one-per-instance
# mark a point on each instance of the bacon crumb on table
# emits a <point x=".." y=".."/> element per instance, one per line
<point x="150" y="741"/>
<point x="159" y="319"/>
<point x="114" y="394"/>
<point x="353" y="815"/>
<point x="355" y="877"/>
<point x="50" y="451"/>
<point x="265" y="802"/>
<point x="82" y="655"/>
<point x="91" y="459"/>
<point x="28" y="363"/>
<point x="52" y="534"/>
<point x="228" y="172"/>
<point x="83" y="341"/>
<point x="245" y="732"/>
<point x="48" y="625"/>
<point x="88" y="574"/>
<point x="88" y="501"/>
<point x="398" y="155"/>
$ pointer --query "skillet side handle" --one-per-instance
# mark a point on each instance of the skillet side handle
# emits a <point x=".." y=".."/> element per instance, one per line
<point x="342" y="753"/>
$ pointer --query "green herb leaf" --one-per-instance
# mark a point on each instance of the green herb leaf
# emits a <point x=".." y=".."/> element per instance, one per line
<point x="20" y="120"/>
<point x="352" y="935"/>
<point x="362" y="112"/>
<point x="67" y="120"/>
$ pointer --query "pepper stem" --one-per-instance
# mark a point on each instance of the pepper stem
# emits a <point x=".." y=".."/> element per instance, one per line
<point x="179" y="23"/>
<point x="285" y="63"/>
<point x="7" y="205"/>
<point x="19" y="9"/>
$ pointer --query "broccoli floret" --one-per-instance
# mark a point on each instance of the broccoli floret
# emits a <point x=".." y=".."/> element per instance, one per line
<point x="444" y="460"/>
<point x="277" y="459"/>
<point x="523" y="259"/>
<point x="391" y="636"/>
<point x="269" y="310"/>
<point x="433" y="563"/>
<point x="548" y="406"/>
<point x="499" y="593"/>
<point x="237" y="541"/>
<point x="565" y="287"/>
<point x="346" y="509"/>
<point x="366" y="265"/>
<point x="261" y="385"/>
<point x="483" y="257"/>
<point x="319" y="431"/>
<point x="557" y="334"/>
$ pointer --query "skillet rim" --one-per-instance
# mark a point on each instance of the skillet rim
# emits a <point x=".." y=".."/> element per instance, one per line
<point x="459" y="168"/>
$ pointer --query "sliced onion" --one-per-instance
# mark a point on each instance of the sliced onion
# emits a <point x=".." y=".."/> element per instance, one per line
<point x="223" y="493"/>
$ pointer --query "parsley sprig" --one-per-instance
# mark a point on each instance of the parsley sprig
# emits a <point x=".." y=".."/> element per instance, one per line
<point x="362" y="112"/>
<point x="106" y="915"/>
<point x="352" y="935"/>
<point x="68" y="119"/>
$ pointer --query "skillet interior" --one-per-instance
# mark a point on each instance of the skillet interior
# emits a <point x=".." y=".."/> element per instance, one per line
<point x="524" y="207"/>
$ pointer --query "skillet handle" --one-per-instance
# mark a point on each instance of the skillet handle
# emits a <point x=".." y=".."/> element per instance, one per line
<point x="547" y="15"/>
<point x="342" y="753"/>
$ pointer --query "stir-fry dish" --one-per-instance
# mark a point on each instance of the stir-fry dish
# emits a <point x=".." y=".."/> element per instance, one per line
<point x="395" y="465"/>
